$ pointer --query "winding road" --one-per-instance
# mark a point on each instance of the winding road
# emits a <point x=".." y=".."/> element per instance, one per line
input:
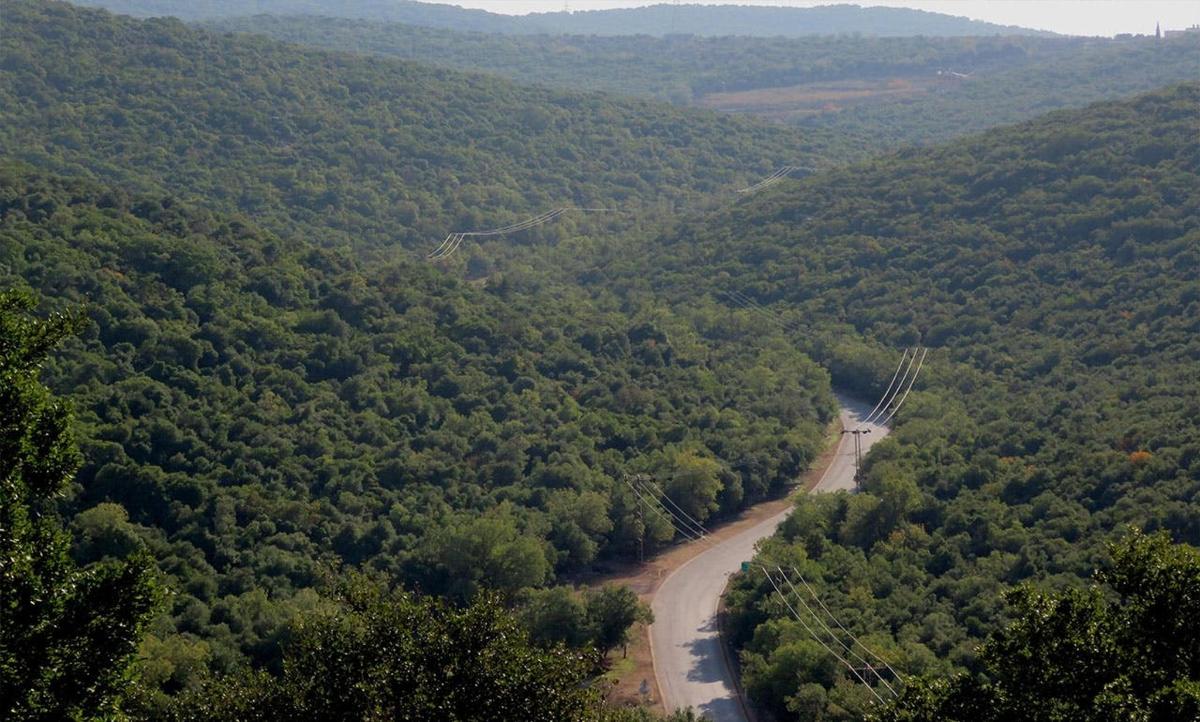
<point x="689" y="663"/>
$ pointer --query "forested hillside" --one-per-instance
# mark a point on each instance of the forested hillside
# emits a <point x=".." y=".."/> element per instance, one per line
<point x="254" y="409"/>
<point x="1052" y="267"/>
<point x="1093" y="71"/>
<point x="662" y="19"/>
<point x="302" y="472"/>
<point x="347" y="150"/>
<point x="882" y="92"/>
<point x="679" y="68"/>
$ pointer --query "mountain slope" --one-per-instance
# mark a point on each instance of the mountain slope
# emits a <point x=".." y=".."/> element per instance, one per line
<point x="260" y="408"/>
<point x="1051" y="267"/>
<point x="883" y="92"/>
<point x="1094" y="71"/>
<point x="344" y="149"/>
<point x="682" y="68"/>
<point x="660" y="19"/>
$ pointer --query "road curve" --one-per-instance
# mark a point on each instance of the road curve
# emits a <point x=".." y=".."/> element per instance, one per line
<point x="688" y="660"/>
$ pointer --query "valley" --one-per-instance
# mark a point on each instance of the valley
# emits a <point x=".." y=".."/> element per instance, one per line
<point x="389" y="360"/>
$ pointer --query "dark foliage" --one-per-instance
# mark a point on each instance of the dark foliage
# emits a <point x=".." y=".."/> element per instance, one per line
<point x="67" y="632"/>
<point x="1082" y="655"/>
<point x="379" y="655"/>
<point x="255" y="407"/>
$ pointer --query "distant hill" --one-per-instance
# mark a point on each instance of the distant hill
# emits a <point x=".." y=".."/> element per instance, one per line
<point x="349" y="149"/>
<point x="1095" y="70"/>
<point x="679" y="68"/>
<point x="882" y="91"/>
<point x="663" y="19"/>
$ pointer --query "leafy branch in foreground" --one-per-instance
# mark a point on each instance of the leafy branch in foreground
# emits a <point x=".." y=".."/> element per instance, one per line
<point x="67" y="632"/>
<point x="381" y="654"/>
<point x="1084" y="655"/>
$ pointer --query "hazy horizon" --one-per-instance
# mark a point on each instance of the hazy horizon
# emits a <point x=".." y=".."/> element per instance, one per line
<point x="1070" y="17"/>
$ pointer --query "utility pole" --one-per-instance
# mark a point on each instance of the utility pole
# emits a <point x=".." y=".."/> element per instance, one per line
<point x="857" y="450"/>
<point x="641" y="534"/>
<point x="641" y="521"/>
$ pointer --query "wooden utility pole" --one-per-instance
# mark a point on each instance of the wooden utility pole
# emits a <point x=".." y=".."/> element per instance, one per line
<point x="857" y="450"/>
<point x="641" y="533"/>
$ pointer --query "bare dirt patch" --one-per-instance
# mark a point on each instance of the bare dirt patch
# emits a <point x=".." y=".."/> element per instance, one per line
<point x="808" y="99"/>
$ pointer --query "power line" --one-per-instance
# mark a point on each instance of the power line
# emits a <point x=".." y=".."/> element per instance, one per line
<point x="910" y="386"/>
<point x="781" y="174"/>
<point x="896" y="375"/>
<point x="896" y="392"/>
<point x="676" y="521"/>
<point x="869" y="651"/>
<point x="661" y="495"/>
<point x="746" y="302"/>
<point x="673" y="521"/>
<point x="849" y="650"/>
<point x="452" y="242"/>
<point x="837" y="656"/>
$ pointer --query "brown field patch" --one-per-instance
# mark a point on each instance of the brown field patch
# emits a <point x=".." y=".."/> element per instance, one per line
<point x="817" y="98"/>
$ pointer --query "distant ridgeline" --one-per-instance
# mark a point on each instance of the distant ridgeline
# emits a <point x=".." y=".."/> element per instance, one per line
<point x="1052" y="268"/>
<point x="883" y="91"/>
<point x="662" y="19"/>
<point x="347" y="150"/>
<point x="1087" y="71"/>
<point x="677" y="67"/>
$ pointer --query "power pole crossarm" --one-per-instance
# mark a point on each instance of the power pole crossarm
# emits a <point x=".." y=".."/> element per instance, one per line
<point x="857" y="448"/>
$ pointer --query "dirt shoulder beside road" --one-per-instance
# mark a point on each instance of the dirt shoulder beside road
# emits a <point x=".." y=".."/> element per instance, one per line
<point x="638" y="666"/>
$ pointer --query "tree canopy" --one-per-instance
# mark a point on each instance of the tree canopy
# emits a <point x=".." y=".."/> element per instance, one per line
<point x="1130" y="654"/>
<point x="67" y="632"/>
<point x="879" y="91"/>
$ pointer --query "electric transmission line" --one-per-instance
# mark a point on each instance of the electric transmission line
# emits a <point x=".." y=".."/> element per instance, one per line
<point x="796" y="615"/>
<point x="868" y="650"/>
<point x="451" y="243"/>
<point x="887" y="391"/>
<point x="911" y="381"/>
<point x="892" y="392"/>
<point x="687" y="526"/>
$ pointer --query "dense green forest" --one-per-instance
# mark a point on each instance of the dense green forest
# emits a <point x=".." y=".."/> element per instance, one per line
<point x="1052" y="268"/>
<point x="67" y="631"/>
<point x="253" y="410"/>
<point x="1127" y="650"/>
<point x="362" y="651"/>
<point x="678" y="68"/>
<point x="261" y="460"/>
<point x="347" y="150"/>
<point x="1094" y="71"/>
<point x="659" y="19"/>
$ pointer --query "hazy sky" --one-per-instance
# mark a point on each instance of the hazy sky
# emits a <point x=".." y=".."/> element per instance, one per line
<point x="1074" y="17"/>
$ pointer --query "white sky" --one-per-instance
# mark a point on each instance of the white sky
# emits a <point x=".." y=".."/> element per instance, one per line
<point x="1072" y="17"/>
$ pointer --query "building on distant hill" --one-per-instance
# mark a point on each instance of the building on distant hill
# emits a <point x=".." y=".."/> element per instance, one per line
<point x="1185" y="31"/>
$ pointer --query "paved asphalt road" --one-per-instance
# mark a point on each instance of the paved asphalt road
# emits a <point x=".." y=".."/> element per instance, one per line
<point x="688" y="661"/>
